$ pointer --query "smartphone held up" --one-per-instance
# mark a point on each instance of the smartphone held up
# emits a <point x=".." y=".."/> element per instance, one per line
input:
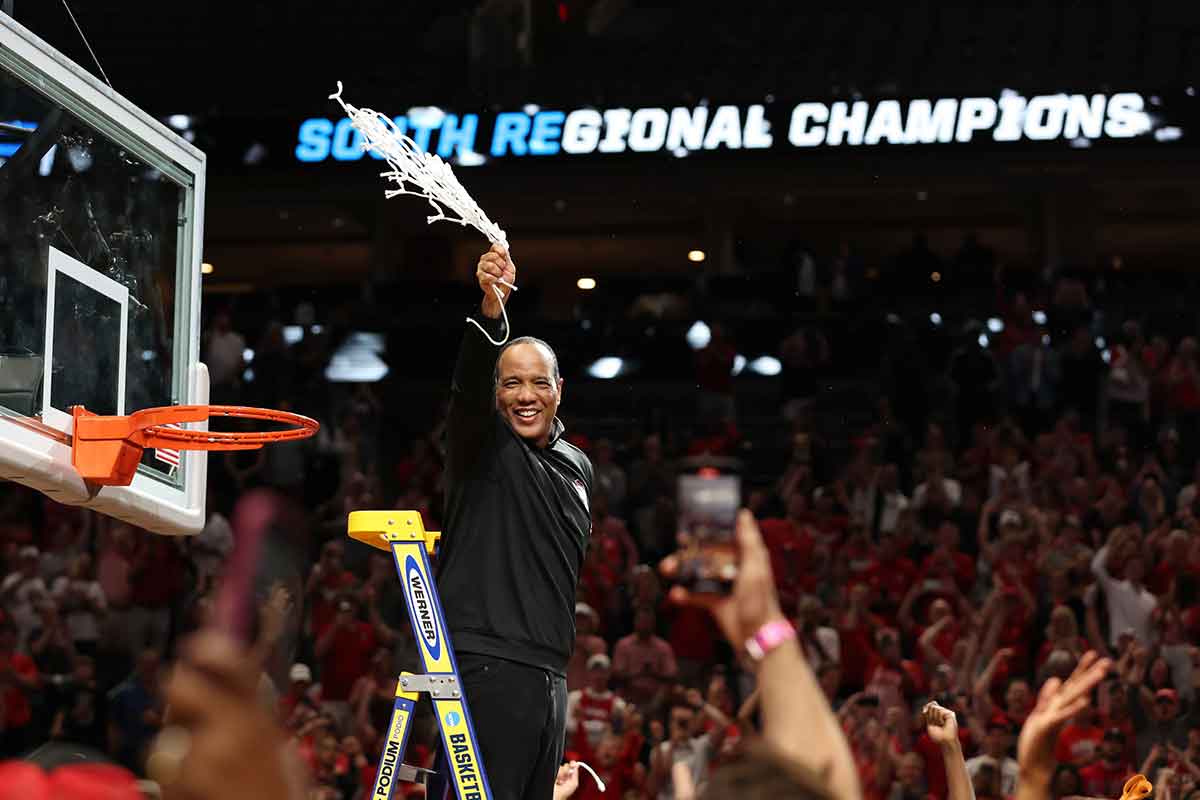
<point x="709" y="495"/>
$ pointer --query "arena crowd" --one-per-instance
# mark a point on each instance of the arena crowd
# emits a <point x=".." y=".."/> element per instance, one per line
<point x="962" y="558"/>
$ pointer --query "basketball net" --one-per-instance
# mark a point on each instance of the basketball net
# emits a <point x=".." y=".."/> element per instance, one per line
<point x="419" y="173"/>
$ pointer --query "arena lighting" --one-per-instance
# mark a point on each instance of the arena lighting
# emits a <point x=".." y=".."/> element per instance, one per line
<point x="766" y="365"/>
<point x="587" y="284"/>
<point x="699" y="335"/>
<point x="1039" y="318"/>
<point x="357" y="360"/>
<point x="1100" y="343"/>
<point x="935" y="318"/>
<point x="739" y="364"/>
<point x="983" y="340"/>
<point x="606" y="368"/>
<point x="180" y="122"/>
<point x="697" y="256"/>
<point x="206" y="268"/>
<point x="292" y="334"/>
<point x="936" y="277"/>
<point x="248" y="355"/>
<point x="995" y="325"/>
<point x="1106" y="356"/>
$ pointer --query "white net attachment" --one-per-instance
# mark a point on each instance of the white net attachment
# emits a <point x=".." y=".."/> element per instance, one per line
<point x="419" y="173"/>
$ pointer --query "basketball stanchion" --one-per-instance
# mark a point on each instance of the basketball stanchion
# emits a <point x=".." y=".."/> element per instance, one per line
<point x="403" y="534"/>
<point x="106" y="451"/>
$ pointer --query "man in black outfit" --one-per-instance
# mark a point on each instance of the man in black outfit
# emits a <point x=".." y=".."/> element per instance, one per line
<point x="516" y="528"/>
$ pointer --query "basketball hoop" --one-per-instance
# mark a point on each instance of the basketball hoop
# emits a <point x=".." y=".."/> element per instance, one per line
<point x="106" y="451"/>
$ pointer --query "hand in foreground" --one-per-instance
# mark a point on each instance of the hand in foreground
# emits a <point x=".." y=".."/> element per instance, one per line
<point x="1058" y="701"/>
<point x="495" y="266"/>
<point x="220" y="743"/>
<point x="754" y="601"/>
<point x="941" y="724"/>
<point x="567" y="781"/>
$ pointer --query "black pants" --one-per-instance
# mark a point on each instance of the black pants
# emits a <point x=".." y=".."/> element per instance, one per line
<point x="520" y="716"/>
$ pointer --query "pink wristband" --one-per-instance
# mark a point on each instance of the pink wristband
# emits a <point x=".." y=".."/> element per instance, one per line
<point x="768" y="637"/>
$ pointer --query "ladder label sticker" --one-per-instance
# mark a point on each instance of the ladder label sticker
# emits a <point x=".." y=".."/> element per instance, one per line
<point x="460" y="748"/>
<point x="393" y="750"/>
<point x="421" y="604"/>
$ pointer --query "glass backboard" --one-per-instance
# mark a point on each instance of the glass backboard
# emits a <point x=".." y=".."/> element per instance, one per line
<point x="101" y="211"/>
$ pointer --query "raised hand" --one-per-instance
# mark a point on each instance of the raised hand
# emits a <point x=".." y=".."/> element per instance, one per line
<point x="495" y="270"/>
<point x="1058" y="701"/>
<point x="941" y="724"/>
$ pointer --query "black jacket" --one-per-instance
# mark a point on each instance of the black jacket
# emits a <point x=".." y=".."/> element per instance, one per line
<point x="516" y="525"/>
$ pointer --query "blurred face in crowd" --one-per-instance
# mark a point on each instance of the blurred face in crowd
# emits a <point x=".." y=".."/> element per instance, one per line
<point x="911" y="769"/>
<point x="1062" y="624"/>
<point x="996" y="741"/>
<point x="528" y="391"/>
<point x="1112" y="747"/>
<point x="331" y="557"/>
<point x="681" y="723"/>
<point x="1165" y="708"/>
<point x="1159" y="674"/>
<point x="1066" y="783"/>
<point x="938" y="609"/>
<point x="584" y="624"/>
<point x="889" y="648"/>
<point x="1018" y="698"/>
<point x="609" y="751"/>
<point x="643" y="623"/>
<point x="1135" y="570"/>
<point x="597" y="678"/>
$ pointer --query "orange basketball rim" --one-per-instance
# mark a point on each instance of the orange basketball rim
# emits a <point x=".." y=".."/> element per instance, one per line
<point x="106" y="451"/>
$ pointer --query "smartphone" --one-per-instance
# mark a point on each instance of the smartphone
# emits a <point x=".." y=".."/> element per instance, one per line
<point x="708" y="503"/>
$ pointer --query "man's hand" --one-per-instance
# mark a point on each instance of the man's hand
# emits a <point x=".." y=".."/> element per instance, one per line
<point x="567" y="781"/>
<point x="494" y="266"/>
<point x="941" y="724"/>
<point x="1058" y="701"/>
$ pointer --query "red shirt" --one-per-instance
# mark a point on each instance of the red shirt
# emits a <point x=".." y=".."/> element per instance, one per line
<point x="858" y="650"/>
<point x="693" y="634"/>
<point x="964" y="569"/>
<point x="324" y="603"/>
<point x="1102" y="781"/>
<point x="892" y="579"/>
<point x="348" y="659"/>
<point x="17" y="711"/>
<point x="1078" y="745"/>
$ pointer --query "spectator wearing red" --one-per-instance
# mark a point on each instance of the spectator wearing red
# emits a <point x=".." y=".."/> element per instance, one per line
<point x="891" y="573"/>
<point x="344" y="652"/>
<point x="595" y="708"/>
<point x="856" y="633"/>
<point x="328" y="579"/>
<point x="1079" y="742"/>
<point x="18" y="681"/>
<point x="301" y="692"/>
<point x="896" y="680"/>
<point x="947" y="559"/>
<point x="156" y="579"/>
<point x="1062" y="633"/>
<point x="643" y="662"/>
<point x="1106" y="776"/>
<point x="587" y="644"/>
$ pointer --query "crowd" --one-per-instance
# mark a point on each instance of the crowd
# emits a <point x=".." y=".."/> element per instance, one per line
<point x="962" y="556"/>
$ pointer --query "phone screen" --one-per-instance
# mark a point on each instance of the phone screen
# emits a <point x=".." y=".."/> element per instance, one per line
<point x="708" y="503"/>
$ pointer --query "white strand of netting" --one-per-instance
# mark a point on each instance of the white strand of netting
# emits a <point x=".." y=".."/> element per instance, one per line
<point x="419" y="173"/>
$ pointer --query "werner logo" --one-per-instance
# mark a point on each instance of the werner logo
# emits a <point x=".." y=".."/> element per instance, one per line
<point x="466" y="767"/>
<point x="422" y="607"/>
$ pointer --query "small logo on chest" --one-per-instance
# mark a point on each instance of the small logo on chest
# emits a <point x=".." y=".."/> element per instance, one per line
<point x="581" y="490"/>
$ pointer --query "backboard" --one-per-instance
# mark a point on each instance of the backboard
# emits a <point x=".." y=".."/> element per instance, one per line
<point x="101" y="214"/>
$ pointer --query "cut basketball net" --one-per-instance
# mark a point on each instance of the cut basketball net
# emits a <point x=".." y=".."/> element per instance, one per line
<point x="106" y="451"/>
<point x="423" y="174"/>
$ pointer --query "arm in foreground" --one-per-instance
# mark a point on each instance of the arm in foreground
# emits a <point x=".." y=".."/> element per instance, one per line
<point x="797" y="719"/>
<point x="942" y="727"/>
<point x="1058" y="701"/>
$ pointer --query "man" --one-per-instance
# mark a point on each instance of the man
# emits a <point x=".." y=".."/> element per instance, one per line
<point x="687" y="745"/>
<point x="1130" y="603"/>
<point x="643" y="661"/>
<point x="135" y="711"/>
<point x="517" y="523"/>
<point x="1107" y="775"/>
<point x="595" y="707"/>
<point x="995" y="754"/>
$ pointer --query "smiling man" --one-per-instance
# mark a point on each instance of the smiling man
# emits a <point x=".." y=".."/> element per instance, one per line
<point x="515" y="533"/>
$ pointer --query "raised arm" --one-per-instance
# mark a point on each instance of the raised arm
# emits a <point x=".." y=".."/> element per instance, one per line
<point x="942" y="727"/>
<point x="473" y="390"/>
